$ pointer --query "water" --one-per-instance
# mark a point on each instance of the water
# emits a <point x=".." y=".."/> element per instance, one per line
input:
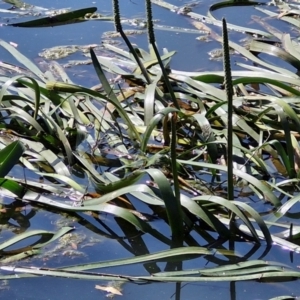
<point x="105" y="237"/>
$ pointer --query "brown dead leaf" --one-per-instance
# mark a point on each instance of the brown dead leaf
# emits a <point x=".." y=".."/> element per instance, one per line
<point x="201" y="26"/>
<point x="74" y="246"/>
<point x="109" y="289"/>
<point x="14" y="44"/>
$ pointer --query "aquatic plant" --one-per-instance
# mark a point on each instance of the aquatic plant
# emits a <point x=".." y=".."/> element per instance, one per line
<point x="182" y="146"/>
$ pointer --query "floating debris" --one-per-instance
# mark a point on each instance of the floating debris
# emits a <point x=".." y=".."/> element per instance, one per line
<point x="204" y="38"/>
<point x="114" y="34"/>
<point x="112" y="288"/>
<point x="59" y="52"/>
<point x="73" y="253"/>
<point x="217" y="54"/>
<point x="72" y="239"/>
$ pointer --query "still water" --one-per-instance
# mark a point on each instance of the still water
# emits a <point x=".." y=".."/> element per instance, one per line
<point x="106" y="238"/>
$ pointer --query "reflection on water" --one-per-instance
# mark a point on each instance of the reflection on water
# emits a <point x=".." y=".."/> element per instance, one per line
<point x="102" y="237"/>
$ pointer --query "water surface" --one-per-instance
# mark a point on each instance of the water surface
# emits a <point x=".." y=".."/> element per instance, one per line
<point x="112" y="239"/>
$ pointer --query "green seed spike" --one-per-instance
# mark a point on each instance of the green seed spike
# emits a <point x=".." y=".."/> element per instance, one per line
<point x="151" y="35"/>
<point x="117" y="18"/>
<point x="119" y="29"/>
<point x="227" y="68"/>
<point x="229" y="94"/>
<point x="152" y="42"/>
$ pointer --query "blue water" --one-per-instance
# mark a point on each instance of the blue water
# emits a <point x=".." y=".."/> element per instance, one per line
<point x="191" y="56"/>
